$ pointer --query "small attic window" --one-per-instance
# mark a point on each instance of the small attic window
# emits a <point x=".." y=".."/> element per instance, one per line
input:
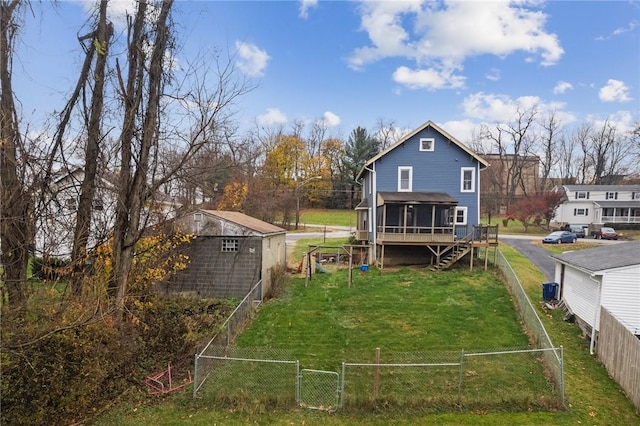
<point x="197" y="217"/>
<point x="230" y="244"/>
<point x="427" y="144"/>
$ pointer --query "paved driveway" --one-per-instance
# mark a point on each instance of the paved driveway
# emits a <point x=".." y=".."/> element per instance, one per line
<point x="538" y="255"/>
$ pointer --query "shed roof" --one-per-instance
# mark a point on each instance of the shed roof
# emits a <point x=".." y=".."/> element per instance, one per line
<point x="242" y="219"/>
<point x="610" y="256"/>
<point x="417" y="198"/>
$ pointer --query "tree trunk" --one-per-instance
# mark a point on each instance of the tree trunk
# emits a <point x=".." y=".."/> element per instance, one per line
<point x="133" y="188"/>
<point x="99" y="43"/>
<point x="14" y="199"/>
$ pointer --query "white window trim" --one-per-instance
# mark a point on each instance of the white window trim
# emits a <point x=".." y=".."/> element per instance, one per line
<point x="432" y="146"/>
<point x="473" y="179"/>
<point x="464" y="212"/>
<point x="400" y="170"/>
<point x="635" y="196"/>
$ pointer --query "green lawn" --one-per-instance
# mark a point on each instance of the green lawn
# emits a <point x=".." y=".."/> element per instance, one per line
<point x="592" y="397"/>
<point x="328" y="217"/>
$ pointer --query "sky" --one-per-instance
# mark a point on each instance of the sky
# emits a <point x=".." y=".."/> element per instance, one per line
<point x="350" y="63"/>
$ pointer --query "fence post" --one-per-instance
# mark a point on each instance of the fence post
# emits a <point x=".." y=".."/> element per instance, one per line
<point x="460" y="377"/>
<point x="344" y="370"/>
<point x="376" y="375"/>
<point x="195" y="377"/>
<point x="562" y="375"/>
<point x="298" y="380"/>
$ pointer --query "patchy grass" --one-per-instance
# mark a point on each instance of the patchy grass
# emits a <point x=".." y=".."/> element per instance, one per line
<point x="302" y="246"/>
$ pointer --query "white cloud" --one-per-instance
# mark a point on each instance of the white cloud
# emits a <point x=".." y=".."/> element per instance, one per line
<point x="632" y="26"/>
<point x="498" y="108"/>
<point x="305" y="5"/>
<point x="614" y="91"/>
<point x="251" y="59"/>
<point x="428" y="78"/>
<point x="271" y="117"/>
<point x="463" y="130"/>
<point x="562" y="87"/>
<point x="330" y="119"/>
<point x="493" y="74"/>
<point x="442" y="35"/>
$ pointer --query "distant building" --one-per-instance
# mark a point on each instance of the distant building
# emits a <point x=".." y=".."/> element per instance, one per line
<point x="55" y="224"/>
<point x="508" y="179"/>
<point x="598" y="204"/>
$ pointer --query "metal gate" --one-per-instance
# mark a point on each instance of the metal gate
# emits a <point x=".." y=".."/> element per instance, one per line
<point x="319" y="390"/>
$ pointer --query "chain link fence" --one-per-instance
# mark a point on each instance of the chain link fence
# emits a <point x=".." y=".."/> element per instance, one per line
<point x="553" y="358"/>
<point x="204" y="363"/>
<point x="258" y="379"/>
<point x="448" y="381"/>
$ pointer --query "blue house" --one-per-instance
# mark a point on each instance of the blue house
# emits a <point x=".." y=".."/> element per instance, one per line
<point x="420" y="201"/>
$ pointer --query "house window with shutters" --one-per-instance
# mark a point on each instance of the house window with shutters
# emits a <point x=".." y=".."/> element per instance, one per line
<point x="582" y="195"/>
<point x="405" y="177"/>
<point x="580" y="212"/>
<point x="612" y="196"/>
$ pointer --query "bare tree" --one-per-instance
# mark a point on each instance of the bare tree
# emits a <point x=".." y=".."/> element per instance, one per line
<point x="608" y="154"/>
<point x="98" y="44"/>
<point x="148" y="132"/>
<point x="386" y="133"/>
<point x="513" y="143"/>
<point x="549" y="148"/>
<point x="15" y="200"/>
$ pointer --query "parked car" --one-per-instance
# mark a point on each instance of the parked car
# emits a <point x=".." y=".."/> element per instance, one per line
<point x="606" y="233"/>
<point x="578" y="230"/>
<point x="559" y="237"/>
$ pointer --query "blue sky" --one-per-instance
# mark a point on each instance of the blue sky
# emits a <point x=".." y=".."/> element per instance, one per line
<point x="350" y="64"/>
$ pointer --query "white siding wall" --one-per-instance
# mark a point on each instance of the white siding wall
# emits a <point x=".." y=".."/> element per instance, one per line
<point x="621" y="296"/>
<point x="580" y="293"/>
<point x="274" y="252"/>
<point x="565" y="212"/>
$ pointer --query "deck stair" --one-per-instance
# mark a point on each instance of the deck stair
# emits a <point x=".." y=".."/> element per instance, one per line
<point x="456" y="253"/>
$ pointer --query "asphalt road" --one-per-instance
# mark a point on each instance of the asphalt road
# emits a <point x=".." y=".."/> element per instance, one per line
<point x="538" y="255"/>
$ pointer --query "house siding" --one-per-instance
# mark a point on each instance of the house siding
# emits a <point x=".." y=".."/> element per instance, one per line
<point x="213" y="273"/>
<point x="580" y="293"/>
<point x="273" y="255"/>
<point x="433" y="171"/>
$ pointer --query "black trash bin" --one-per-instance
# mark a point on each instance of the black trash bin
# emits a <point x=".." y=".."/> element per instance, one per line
<point x="549" y="291"/>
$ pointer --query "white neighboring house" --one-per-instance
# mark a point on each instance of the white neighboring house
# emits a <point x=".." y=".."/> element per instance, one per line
<point x="598" y="204"/>
<point x="55" y="226"/>
<point x="607" y="276"/>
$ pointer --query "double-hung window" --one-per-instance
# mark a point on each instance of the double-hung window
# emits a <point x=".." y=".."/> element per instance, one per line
<point x="612" y="196"/>
<point x="461" y="216"/>
<point x="405" y="178"/>
<point x="467" y="179"/>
